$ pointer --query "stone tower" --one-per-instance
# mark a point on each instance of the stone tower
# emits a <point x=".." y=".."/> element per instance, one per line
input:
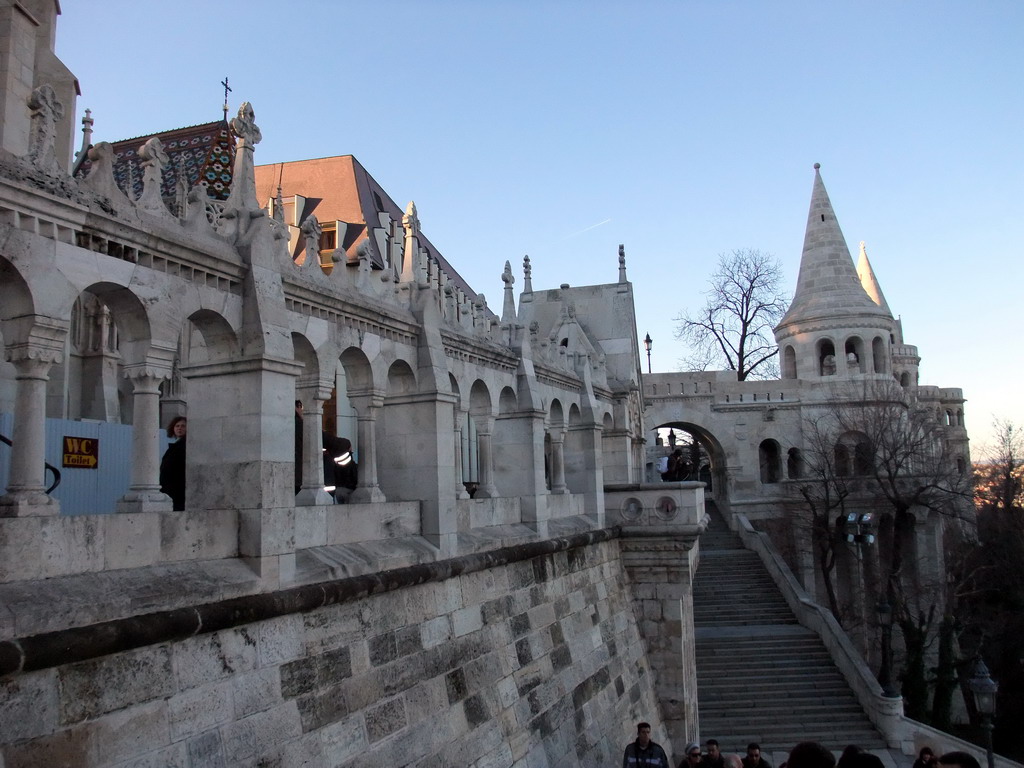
<point x="839" y="323"/>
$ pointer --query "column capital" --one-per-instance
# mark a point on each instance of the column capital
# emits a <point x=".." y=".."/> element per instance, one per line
<point x="147" y="377"/>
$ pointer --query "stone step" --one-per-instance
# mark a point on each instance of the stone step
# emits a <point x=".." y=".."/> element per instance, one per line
<point x="760" y="677"/>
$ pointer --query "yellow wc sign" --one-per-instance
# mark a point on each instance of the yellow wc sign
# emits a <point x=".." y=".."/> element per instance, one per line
<point x="81" y="452"/>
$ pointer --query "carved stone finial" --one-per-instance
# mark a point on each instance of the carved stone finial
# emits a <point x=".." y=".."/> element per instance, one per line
<point x="527" y="275"/>
<point x="244" y="126"/>
<point x="508" y="311"/>
<point x="279" y="206"/>
<point x="622" y="263"/>
<point x="101" y="173"/>
<point x="46" y="113"/>
<point x="311" y="231"/>
<point x="243" y="182"/>
<point x="411" y="220"/>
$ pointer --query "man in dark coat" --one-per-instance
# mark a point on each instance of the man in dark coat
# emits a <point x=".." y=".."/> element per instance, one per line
<point x="644" y="753"/>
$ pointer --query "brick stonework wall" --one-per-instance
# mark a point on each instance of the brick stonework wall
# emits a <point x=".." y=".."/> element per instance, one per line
<point x="536" y="663"/>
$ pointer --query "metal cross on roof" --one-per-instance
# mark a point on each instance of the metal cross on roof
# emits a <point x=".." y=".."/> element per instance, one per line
<point x="227" y="90"/>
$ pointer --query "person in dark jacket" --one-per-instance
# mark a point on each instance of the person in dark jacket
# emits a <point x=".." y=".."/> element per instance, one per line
<point x="753" y="758"/>
<point x="172" y="465"/>
<point x="644" y="753"/>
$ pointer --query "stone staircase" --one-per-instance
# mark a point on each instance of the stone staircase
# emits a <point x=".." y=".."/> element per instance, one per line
<point x="760" y="675"/>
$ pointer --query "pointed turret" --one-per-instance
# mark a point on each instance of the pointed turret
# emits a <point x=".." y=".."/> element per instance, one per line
<point x="828" y="285"/>
<point x="868" y="280"/>
<point x="837" y="324"/>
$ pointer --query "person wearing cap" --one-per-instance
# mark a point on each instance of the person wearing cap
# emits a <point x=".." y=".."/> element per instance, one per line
<point x="644" y="753"/>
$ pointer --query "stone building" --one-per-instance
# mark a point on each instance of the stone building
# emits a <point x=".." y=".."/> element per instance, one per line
<point x="414" y="624"/>
<point x="849" y="380"/>
<point x="531" y="623"/>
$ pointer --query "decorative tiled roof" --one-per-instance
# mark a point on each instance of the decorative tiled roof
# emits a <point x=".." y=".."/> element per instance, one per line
<point x="200" y="153"/>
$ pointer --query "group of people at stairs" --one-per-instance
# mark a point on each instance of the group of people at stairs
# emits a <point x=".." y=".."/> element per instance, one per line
<point x="643" y="752"/>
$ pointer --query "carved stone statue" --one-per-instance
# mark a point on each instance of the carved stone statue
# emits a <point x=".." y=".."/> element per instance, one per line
<point x="46" y="113"/>
<point x="311" y="231"/>
<point x="154" y="157"/>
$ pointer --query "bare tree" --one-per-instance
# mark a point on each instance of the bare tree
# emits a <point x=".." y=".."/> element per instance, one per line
<point x="875" y="447"/>
<point x="734" y="329"/>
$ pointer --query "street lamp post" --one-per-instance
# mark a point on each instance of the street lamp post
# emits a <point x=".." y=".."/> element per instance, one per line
<point x="884" y="611"/>
<point x="985" y="689"/>
<point x="647" y="345"/>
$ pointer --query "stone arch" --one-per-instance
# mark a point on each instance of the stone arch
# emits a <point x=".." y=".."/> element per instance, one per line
<point x="858" y="363"/>
<point x="788" y="362"/>
<point x="110" y="328"/>
<point x="905" y="379"/>
<point x="826" y="357"/>
<point x="709" y="455"/>
<point x="769" y="461"/>
<point x="214" y="339"/>
<point x="401" y="379"/>
<point x="578" y="452"/>
<point x="854" y="455"/>
<point x="959" y="417"/>
<point x="507" y="404"/>
<point x="794" y="464"/>
<point x="878" y="356"/>
<point x="357" y="370"/>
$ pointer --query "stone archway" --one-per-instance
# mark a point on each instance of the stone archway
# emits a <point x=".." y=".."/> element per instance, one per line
<point x="711" y="467"/>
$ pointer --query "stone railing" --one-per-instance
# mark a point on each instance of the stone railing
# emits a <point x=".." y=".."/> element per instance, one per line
<point x="886" y="713"/>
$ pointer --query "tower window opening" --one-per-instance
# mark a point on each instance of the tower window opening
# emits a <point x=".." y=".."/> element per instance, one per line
<point x="823" y="217"/>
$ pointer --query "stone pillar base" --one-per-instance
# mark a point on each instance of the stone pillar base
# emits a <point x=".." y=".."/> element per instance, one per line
<point x="28" y="504"/>
<point x="144" y="501"/>
<point x="313" y="497"/>
<point x="367" y="495"/>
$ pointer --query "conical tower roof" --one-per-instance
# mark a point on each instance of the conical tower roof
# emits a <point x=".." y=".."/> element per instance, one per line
<point x="828" y="285"/>
<point x="868" y="280"/>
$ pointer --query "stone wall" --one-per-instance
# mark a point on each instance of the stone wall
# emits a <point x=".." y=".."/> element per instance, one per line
<point x="533" y="663"/>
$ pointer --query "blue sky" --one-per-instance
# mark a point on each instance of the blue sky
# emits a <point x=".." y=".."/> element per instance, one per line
<point x="560" y="129"/>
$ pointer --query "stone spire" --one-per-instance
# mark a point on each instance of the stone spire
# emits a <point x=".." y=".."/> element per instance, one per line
<point x="868" y="280"/>
<point x="828" y="285"/>
<point x="508" y="311"/>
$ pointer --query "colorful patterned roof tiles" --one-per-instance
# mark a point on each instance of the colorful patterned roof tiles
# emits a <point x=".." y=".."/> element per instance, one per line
<point x="201" y="153"/>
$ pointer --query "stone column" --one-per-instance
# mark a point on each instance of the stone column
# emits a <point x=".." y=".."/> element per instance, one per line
<point x="312" y="491"/>
<point x="460" y="484"/>
<point x="368" y="490"/>
<point x="558" y="462"/>
<point x="144" y="493"/>
<point x="657" y="552"/>
<point x="485" y="428"/>
<point x="26" y="492"/>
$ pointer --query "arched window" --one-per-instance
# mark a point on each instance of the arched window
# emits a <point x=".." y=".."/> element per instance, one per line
<point x="789" y="362"/>
<point x="878" y="355"/>
<point x="959" y="417"/>
<point x="905" y="379"/>
<point x="842" y="455"/>
<point x="794" y="464"/>
<point x="768" y="453"/>
<point x="961" y="465"/>
<point x="948" y="421"/>
<point x="854" y="354"/>
<point x="863" y="458"/>
<point x="826" y="358"/>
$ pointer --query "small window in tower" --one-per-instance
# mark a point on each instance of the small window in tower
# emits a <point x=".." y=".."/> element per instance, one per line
<point x="328" y="239"/>
<point x="823" y="217"/>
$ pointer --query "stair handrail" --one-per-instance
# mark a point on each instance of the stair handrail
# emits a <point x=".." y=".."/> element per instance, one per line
<point x="46" y="464"/>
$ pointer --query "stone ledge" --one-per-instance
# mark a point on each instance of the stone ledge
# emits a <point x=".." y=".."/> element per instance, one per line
<point x="79" y="640"/>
